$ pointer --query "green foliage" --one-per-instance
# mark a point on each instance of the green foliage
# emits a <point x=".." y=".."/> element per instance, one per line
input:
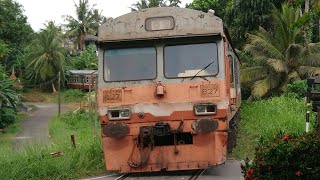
<point x="15" y="32"/>
<point x="143" y="4"/>
<point x="36" y="162"/>
<point x="11" y="131"/>
<point x="46" y="56"/>
<point x="9" y="98"/>
<point x="297" y="89"/>
<point x="73" y="95"/>
<point x="4" y="49"/>
<point x="8" y="94"/>
<point x="86" y="22"/>
<point x="264" y="117"/>
<point x="221" y="7"/>
<point x="73" y="120"/>
<point x="283" y="55"/>
<point x="1" y="72"/>
<point x="286" y="156"/>
<point x="7" y="117"/>
<point x="245" y="16"/>
<point x="86" y="59"/>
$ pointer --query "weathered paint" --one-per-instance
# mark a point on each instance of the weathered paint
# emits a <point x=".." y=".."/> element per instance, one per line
<point x="172" y="103"/>
<point x="188" y="22"/>
<point x="178" y="97"/>
<point x="207" y="150"/>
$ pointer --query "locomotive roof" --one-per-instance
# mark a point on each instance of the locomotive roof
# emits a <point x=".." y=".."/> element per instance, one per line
<point x="187" y="22"/>
<point x="82" y="72"/>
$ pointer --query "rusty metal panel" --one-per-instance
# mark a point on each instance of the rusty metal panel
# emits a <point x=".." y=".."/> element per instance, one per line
<point x="210" y="90"/>
<point x="187" y="22"/>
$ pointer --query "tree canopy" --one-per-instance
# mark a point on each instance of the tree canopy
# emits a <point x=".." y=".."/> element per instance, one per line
<point x="86" y="22"/>
<point x="219" y="6"/>
<point x="86" y="59"/>
<point x="45" y="55"/>
<point x="15" y="32"/>
<point x="143" y="4"/>
<point x="285" y="54"/>
<point x="245" y="16"/>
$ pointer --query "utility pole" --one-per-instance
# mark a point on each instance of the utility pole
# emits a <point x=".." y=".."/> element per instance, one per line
<point x="59" y="96"/>
<point x="89" y="114"/>
<point x="96" y="107"/>
<point x="90" y="83"/>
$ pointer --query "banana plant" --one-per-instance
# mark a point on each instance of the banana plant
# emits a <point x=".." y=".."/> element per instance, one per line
<point x="8" y="94"/>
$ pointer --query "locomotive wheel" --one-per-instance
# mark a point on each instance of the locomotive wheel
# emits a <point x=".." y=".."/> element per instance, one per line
<point x="232" y="133"/>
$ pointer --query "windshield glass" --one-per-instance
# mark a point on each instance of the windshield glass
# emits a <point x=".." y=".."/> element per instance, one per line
<point x="130" y="64"/>
<point x="188" y="60"/>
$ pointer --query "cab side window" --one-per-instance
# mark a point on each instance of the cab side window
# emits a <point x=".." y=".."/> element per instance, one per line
<point x="237" y="72"/>
<point x="231" y="68"/>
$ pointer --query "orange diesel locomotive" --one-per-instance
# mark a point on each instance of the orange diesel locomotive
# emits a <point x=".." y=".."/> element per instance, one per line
<point x="169" y="90"/>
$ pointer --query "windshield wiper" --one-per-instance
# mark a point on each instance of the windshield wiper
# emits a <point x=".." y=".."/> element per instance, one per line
<point x="202" y="69"/>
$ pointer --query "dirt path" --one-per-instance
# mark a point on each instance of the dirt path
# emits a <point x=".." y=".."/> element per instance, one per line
<point x="35" y="128"/>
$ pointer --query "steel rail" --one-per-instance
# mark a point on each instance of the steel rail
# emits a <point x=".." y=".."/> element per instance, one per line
<point x="123" y="176"/>
<point x="197" y="174"/>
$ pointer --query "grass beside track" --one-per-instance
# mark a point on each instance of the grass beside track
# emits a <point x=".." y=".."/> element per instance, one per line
<point x="36" y="162"/>
<point x="258" y="119"/>
<point x="11" y="131"/>
<point x="265" y="117"/>
<point x="67" y="96"/>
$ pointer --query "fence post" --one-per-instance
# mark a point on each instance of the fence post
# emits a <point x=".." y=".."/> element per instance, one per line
<point x="73" y="141"/>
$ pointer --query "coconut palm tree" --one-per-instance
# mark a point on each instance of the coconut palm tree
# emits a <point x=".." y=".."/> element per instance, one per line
<point x="283" y="55"/>
<point x="46" y="56"/>
<point x="86" y="22"/>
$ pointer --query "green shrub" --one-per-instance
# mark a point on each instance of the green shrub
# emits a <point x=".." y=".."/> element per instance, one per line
<point x="264" y="117"/>
<point x="7" y="117"/>
<point x="73" y="95"/>
<point x="36" y="162"/>
<point x="75" y="120"/>
<point x="297" y="89"/>
<point x="286" y="156"/>
<point x="86" y="59"/>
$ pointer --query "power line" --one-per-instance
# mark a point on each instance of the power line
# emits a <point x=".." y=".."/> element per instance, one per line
<point x="42" y="84"/>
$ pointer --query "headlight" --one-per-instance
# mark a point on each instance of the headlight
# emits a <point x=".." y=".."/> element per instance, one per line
<point x="119" y="114"/>
<point x="205" y="109"/>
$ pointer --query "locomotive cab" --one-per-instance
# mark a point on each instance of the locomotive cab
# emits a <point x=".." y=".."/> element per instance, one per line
<point x="169" y="90"/>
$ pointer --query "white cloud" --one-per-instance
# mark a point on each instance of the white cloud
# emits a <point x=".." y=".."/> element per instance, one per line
<point x="41" y="11"/>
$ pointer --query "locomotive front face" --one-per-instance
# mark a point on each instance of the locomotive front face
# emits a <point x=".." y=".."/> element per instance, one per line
<point x="164" y="104"/>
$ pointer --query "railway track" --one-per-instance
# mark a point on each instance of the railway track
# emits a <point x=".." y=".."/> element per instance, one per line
<point x="123" y="176"/>
<point x="194" y="176"/>
<point x="197" y="174"/>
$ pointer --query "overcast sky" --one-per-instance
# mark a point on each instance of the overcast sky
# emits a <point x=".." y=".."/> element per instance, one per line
<point x="41" y="11"/>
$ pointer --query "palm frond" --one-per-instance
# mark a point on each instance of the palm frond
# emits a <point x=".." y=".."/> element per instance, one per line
<point x="293" y="76"/>
<point x="308" y="71"/>
<point x="260" y="46"/>
<point x="247" y="74"/>
<point x="278" y="65"/>
<point x="262" y="87"/>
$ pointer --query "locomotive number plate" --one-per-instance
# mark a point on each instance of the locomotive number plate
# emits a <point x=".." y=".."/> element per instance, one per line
<point x="111" y="96"/>
<point x="210" y="90"/>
